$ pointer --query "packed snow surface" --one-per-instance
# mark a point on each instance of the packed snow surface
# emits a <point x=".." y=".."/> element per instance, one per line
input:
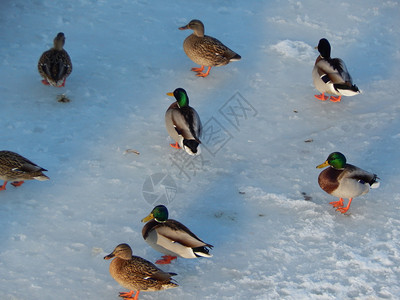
<point x="252" y="193"/>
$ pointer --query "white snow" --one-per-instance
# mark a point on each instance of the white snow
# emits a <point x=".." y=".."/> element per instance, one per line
<point x="253" y="193"/>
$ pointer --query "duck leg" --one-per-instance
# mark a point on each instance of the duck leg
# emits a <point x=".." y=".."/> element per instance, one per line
<point x="200" y="74"/>
<point x="128" y="296"/>
<point x="176" y="145"/>
<point x="166" y="260"/>
<point x="335" y="99"/>
<point x="45" y="82"/>
<point x="17" y="183"/>
<point x="321" y="97"/>
<point x="337" y="203"/>
<point x="3" y="187"/>
<point x="345" y="209"/>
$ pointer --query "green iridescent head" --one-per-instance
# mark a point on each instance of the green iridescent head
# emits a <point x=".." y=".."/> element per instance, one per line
<point x="159" y="213"/>
<point x="336" y="160"/>
<point x="180" y="96"/>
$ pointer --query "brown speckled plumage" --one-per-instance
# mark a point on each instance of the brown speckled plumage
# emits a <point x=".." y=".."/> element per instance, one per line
<point x="14" y="167"/>
<point x="137" y="274"/>
<point x="206" y="50"/>
<point x="55" y="64"/>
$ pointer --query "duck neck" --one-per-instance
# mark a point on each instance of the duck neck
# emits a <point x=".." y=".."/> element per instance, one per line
<point x="58" y="45"/>
<point x="183" y="101"/>
<point x="199" y="32"/>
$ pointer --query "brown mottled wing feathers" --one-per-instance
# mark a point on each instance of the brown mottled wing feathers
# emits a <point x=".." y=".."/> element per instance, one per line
<point x="56" y="64"/>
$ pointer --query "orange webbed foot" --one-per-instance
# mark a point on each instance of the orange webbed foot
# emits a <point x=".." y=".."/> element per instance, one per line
<point x="17" y="183"/>
<point x="199" y="70"/>
<point x="345" y="209"/>
<point x="45" y="82"/>
<point x="337" y="203"/>
<point x="166" y="260"/>
<point x="3" y="187"/>
<point x="342" y="209"/>
<point x="128" y="296"/>
<point x="321" y="97"/>
<point x="201" y="74"/>
<point x="335" y="99"/>
<point x="176" y="145"/>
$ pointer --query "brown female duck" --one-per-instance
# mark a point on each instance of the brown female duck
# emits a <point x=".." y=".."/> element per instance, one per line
<point x="137" y="274"/>
<point x="55" y="64"/>
<point x="16" y="168"/>
<point x="206" y="50"/>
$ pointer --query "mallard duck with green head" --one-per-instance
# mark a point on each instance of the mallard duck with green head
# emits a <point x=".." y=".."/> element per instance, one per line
<point x="344" y="180"/>
<point x="137" y="274"/>
<point x="55" y="64"/>
<point x="183" y="123"/>
<point x="171" y="237"/>
<point x="330" y="75"/>
<point x="206" y="50"/>
<point x="16" y="168"/>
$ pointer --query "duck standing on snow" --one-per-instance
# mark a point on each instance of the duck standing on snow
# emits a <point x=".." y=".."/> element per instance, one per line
<point x="137" y="274"/>
<point x="330" y="75"/>
<point x="344" y="180"/>
<point x="171" y="237"/>
<point x="16" y="168"/>
<point x="183" y="123"/>
<point x="206" y="50"/>
<point x="55" y="64"/>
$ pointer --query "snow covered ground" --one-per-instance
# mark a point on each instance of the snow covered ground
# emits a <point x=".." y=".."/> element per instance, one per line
<point x="253" y="193"/>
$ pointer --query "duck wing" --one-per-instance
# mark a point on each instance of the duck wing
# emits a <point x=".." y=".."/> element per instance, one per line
<point x="360" y="175"/>
<point x="187" y="123"/>
<point x="214" y="50"/>
<point x="143" y="268"/>
<point x="176" y="232"/>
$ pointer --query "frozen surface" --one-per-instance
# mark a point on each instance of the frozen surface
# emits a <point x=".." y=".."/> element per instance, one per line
<point x="253" y="193"/>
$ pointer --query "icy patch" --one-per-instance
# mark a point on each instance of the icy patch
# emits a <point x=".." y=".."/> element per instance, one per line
<point x="295" y="49"/>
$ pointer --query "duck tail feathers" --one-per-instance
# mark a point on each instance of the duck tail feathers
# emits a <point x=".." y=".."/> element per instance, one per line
<point x="202" y="251"/>
<point x="374" y="182"/>
<point x="191" y="146"/>
<point x="347" y="90"/>
<point x="236" y="58"/>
